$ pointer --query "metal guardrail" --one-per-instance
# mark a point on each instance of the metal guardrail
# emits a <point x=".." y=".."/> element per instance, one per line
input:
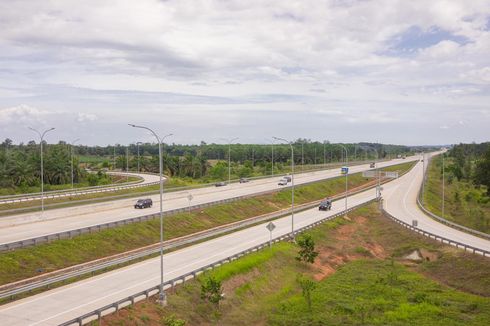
<point x="95" y="228"/>
<point x="106" y="188"/>
<point x="457" y="244"/>
<point x="73" y="192"/>
<point x="130" y="300"/>
<point x="441" y="219"/>
<point x="12" y="289"/>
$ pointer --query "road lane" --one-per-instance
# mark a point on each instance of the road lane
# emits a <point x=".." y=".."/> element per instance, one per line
<point x="58" y="305"/>
<point x="27" y="226"/>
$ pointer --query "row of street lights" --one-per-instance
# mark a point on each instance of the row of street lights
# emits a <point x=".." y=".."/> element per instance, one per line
<point x="162" y="296"/>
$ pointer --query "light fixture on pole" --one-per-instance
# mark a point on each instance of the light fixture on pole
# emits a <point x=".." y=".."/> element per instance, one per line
<point x="162" y="297"/>
<point x="41" y="136"/>
<point x="346" y="178"/>
<point x="272" y="156"/>
<point x="71" y="154"/>
<point x="292" y="183"/>
<point x="229" y="157"/>
<point x="378" y="188"/>
<point x="138" y="146"/>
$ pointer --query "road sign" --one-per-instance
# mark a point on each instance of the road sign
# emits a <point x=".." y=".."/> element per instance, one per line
<point x="271" y="226"/>
<point x="369" y="174"/>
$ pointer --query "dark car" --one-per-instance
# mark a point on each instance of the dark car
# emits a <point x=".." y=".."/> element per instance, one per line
<point x="372" y="165"/>
<point x="325" y="205"/>
<point x="220" y="184"/>
<point x="244" y="180"/>
<point x="143" y="203"/>
<point x="287" y="178"/>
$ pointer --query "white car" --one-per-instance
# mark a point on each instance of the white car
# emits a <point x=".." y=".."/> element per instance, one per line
<point x="283" y="182"/>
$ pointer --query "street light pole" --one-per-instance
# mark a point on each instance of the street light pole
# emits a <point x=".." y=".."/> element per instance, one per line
<point x="138" y="149"/>
<point x="272" y="156"/>
<point x="162" y="298"/>
<point x="72" y="144"/>
<point x="378" y="172"/>
<point x="443" y="185"/>
<point x="127" y="163"/>
<point x="41" y="136"/>
<point x="292" y="184"/>
<point x="346" y="178"/>
<point x="229" y="157"/>
<point x="324" y="154"/>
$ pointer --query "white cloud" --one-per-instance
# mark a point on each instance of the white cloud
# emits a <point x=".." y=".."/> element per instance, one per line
<point x="165" y="55"/>
<point x="82" y="117"/>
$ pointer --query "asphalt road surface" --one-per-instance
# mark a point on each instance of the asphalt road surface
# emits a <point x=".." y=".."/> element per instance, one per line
<point x="27" y="226"/>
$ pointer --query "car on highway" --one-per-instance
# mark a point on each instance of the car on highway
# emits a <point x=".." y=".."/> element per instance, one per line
<point x="220" y="184"/>
<point x="325" y="205"/>
<point x="282" y="182"/>
<point x="344" y="170"/>
<point x="372" y="165"/>
<point x="287" y="178"/>
<point x="244" y="180"/>
<point x="143" y="203"/>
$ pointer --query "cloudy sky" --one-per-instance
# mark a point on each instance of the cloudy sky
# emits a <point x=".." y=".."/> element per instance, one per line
<point x="405" y="72"/>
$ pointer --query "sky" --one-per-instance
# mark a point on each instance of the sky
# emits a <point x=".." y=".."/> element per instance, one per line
<point x="402" y="72"/>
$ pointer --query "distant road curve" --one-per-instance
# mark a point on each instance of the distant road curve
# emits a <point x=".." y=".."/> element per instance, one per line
<point x="145" y="180"/>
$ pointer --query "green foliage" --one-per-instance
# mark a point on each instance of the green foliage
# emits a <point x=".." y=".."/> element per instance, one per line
<point x="482" y="171"/>
<point x="307" y="285"/>
<point x="172" y="320"/>
<point x="211" y="290"/>
<point x="307" y="251"/>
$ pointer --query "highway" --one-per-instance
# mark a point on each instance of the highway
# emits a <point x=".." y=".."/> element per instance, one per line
<point x="146" y="179"/>
<point x="400" y="200"/>
<point x="61" y="304"/>
<point x="71" y="301"/>
<point x="30" y="225"/>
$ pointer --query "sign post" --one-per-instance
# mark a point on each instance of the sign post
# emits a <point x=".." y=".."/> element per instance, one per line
<point x="271" y="226"/>
<point x="189" y="198"/>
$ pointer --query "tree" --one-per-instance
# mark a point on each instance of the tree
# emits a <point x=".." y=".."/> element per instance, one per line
<point x="211" y="290"/>
<point x="307" y="286"/>
<point x="307" y="251"/>
<point x="482" y="171"/>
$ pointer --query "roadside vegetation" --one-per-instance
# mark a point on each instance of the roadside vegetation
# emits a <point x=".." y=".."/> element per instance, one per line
<point x="467" y="200"/>
<point x="189" y="164"/>
<point x="28" y="262"/>
<point x="361" y="276"/>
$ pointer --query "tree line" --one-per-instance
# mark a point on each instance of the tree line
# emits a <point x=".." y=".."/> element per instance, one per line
<point x="19" y="163"/>
<point x="471" y="162"/>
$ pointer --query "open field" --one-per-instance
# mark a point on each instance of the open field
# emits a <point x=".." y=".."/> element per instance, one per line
<point x="360" y="278"/>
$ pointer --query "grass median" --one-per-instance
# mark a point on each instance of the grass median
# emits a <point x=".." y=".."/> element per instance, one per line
<point x="360" y="277"/>
<point x="32" y="261"/>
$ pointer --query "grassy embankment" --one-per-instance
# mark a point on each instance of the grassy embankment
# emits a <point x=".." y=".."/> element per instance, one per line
<point x="360" y="277"/>
<point x="465" y="204"/>
<point x="23" y="263"/>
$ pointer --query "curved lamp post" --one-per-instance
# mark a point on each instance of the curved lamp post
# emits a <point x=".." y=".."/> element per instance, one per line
<point x="229" y="157"/>
<point x="346" y="177"/>
<point x="292" y="183"/>
<point x="162" y="298"/>
<point x="41" y="136"/>
<point x="71" y="153"/>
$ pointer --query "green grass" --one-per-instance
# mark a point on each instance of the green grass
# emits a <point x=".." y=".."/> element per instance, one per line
<point x="262" y="288"/>
<point x="465" y="204"/>
<point x="27" y="262"/>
